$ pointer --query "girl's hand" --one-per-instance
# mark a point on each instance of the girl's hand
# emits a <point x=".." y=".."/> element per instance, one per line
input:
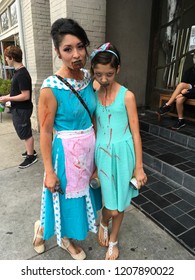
<point x="140" y="176"/>
<point x="51" y="181"/>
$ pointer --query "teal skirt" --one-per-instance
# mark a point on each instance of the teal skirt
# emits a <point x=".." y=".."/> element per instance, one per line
<point x="72" y="217"/>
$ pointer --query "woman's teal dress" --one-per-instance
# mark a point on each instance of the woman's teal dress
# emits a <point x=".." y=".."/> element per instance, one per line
<point x="72" y="217"/>
<point x="115" y="156"/>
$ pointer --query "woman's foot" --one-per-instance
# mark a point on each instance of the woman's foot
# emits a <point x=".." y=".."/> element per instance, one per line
<point x="113" y="251"/>
<point x="76" y="252"/>
<point x="38" y="242"/>
<point x="103" y="237"/>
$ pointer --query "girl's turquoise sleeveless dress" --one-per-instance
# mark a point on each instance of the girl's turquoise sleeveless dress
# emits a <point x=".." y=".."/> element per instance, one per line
<point x="114" y="154"/>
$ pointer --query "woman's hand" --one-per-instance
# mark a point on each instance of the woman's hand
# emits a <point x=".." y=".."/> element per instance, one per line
<point x="51" y="181"/>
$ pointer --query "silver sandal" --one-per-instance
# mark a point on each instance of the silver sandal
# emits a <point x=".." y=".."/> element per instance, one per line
<point x="105" y="228"/>
<point x="110" y="249"/>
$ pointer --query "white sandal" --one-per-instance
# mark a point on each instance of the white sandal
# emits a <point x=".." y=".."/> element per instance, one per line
<point x="66" y="243"/>
<point x="110" y="250"/>
<point x="38" y="248"/>
<point x="105" y="228"/>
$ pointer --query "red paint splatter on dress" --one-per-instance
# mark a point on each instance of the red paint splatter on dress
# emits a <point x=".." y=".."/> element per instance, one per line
<point x="106" y="151"/>
<point x="113" y="180"/>
<point x="117" y="157"/>
<point x="110" y="138"/>
<point x="104" y="173"/>
<point x="126" y="128"/>
<point x="99" y="121"/>
<point x="109" y="116"/>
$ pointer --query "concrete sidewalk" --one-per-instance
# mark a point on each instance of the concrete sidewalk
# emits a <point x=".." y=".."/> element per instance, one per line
<point x="140" y="238"/>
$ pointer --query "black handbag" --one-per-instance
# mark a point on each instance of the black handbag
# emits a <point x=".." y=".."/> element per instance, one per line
<point x="76" y="93"/>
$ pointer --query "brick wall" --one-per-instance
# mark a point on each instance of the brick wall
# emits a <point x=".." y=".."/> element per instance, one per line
<point x="90" y="14"/>
<point x="37" y="45"/>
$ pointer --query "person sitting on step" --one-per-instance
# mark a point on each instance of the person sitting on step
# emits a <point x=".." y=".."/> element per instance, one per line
<point x="184" y="90"/>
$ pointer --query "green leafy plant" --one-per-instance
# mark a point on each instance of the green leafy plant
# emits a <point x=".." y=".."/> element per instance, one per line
<point x="5" y="87"/>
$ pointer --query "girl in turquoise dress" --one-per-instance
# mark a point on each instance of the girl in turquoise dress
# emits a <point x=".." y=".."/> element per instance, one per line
<point x="118" y="151"/>
<point x="67" y="142"/>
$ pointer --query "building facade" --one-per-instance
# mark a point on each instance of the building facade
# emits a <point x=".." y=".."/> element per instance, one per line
<point x="27" y="23"/>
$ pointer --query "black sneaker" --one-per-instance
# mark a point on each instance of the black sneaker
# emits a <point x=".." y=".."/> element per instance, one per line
<point x="180" y="123"/>
<point x="24" y="155"/>
<point x="29" y="160"/>
<point x="164" y="109"/>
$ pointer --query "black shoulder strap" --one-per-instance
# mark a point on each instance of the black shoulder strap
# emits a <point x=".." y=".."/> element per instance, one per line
<point x="76" y="93"/>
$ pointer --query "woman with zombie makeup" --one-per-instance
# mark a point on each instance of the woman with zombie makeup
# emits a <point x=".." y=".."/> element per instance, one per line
<point x="118" y="152"/>
<point x="67" y="142"/>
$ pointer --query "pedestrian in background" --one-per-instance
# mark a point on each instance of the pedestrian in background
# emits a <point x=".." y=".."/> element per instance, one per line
<point x="21" y="103"/>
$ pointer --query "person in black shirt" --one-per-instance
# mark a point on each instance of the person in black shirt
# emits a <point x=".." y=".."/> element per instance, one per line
<point x="184" y="90"/>
<point x="21" y="103"/>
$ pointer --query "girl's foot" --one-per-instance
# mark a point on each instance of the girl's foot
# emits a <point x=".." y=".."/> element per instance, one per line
<point x="113" y="251"/>
<point x="38" y="242"/>
<point x="76" y="253"/>
<point x="103" y="237"/>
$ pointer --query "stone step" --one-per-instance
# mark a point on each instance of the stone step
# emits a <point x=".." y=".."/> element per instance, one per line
<point x="170" y="152"/>
<point x="181" y="137"/>
<point x="169" y="159"/>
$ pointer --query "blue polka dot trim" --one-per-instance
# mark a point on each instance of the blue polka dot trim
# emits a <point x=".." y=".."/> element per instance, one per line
<point x="54" y="82"/>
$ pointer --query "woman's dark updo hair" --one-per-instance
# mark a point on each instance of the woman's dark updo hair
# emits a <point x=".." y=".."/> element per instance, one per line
<point x="65" y="26"/>
<point x="105" y="57"/>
